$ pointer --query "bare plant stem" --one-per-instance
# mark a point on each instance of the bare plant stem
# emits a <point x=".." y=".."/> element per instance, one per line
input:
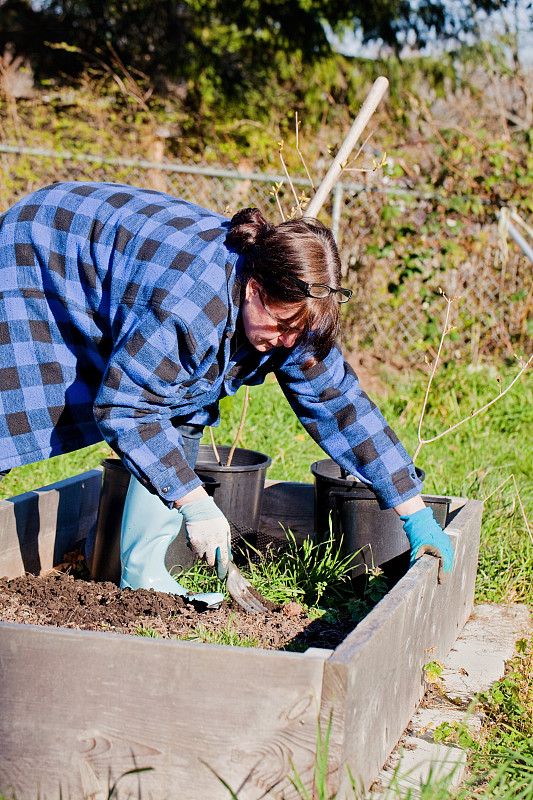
<point x="433" y="371"/>
<point x="275" y="193"/>
<point x="300" y="154"/>
<point x="291" y="184"/>
<point x="512" y="477"/>
<point x="241" y="426"/>
<point x="501" y="393"/>
<point x="346" y="166"/>
<point x="213" y="445"/>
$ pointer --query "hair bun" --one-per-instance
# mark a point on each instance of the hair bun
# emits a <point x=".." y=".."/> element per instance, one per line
<point x="246" y="227"/>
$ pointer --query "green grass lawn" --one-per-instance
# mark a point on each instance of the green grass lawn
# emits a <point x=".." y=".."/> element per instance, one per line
<point x="474" y="460"/>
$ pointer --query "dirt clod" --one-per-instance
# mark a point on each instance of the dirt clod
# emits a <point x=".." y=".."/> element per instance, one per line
<point x="292" y="609"/>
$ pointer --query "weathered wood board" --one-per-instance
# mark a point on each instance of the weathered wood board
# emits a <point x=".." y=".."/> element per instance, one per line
<point x="80" y="709"/>
<point x="37" y="528"/>
<point x="373" y="681"/>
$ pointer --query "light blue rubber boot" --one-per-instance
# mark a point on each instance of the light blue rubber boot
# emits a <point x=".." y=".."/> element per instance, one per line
<point x="148" y="528"/>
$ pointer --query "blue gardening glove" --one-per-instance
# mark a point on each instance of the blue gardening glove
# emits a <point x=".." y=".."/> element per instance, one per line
<point x="208" y="533"/>
<point x="426" y="536"/>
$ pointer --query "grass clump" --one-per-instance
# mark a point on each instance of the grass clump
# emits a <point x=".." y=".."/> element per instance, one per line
<point x="199" y="578"/>
<point x="226" y="635"/>
<point x="312" y="573"/>
<point x="148" y="632"/>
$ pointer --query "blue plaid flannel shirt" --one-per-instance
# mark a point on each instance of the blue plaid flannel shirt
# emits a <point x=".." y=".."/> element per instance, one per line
<point x="118" y="312"/>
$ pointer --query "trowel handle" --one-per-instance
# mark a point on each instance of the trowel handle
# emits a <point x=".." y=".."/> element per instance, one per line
<point x="372" y="101"/>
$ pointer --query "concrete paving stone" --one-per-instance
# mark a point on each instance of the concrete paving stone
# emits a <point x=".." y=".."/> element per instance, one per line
<point x="420" y="761"/>
<point x="426" y="720"/>
<point x="486" y="643"/>
<point x="475" y="662"/>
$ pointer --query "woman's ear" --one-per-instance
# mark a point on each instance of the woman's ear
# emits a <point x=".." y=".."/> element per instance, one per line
<point x="251" y="289"/>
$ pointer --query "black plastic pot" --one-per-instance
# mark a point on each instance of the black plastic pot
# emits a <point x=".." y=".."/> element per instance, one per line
<point x="239" y="488"/>
<point x="105" y="561"/>
<point x="357" y="522"/>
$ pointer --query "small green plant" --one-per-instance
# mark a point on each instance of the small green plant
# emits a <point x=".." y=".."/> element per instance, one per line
<point x="149" y="632"/>
<point x="454" y="733"/>
<point x="227" y="635"/>
<point x="113" y="791"/>
<point x="376" y="585"/>
<point x="198" y="578"/>
<point x="313" y="572"/>
<point x="433" y="674"/>
<point x="320" y="789"/>
<point x="501" y="755"/>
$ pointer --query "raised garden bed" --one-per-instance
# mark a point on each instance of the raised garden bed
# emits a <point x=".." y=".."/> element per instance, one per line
<point x="81" y="708"/>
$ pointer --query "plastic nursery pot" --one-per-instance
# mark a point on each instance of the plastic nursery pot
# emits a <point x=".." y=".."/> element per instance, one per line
<point x="239" y="488"/>
<point x="105" y="561"/>
<point x="357" y="522"/>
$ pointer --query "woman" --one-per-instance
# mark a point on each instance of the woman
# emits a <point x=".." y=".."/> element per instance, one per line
<point x="127" y="314"/>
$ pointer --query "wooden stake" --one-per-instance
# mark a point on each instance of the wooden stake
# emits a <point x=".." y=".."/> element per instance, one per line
<point x="372" y="101"/>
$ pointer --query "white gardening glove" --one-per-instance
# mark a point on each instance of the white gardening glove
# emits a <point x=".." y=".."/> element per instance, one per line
<point x="208" y="533"/>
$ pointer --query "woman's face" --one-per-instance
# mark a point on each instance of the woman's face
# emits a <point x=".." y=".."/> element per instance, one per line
<point x="263" y="325"/>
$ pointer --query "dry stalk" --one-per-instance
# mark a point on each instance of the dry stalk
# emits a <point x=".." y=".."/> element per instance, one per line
<point x="340" y="161"/>
<point x="275" y="193"/>
<point x="241" y="426"/>
<point x="302" y="201"/>
<point x="502" y="392"/>
<point x="281" y="144"/>
<point x="375" y="165"/>
<point x="237" y="437"/>
<point x="213" y="445"/>
<point x="503" y="241"/>
<point x="497" y="489"/>
<point x="445" y="330"/>
<point x="300" y="154"/>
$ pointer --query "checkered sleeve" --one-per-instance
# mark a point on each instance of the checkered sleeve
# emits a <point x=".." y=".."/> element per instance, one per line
<point x="348" y="426"/>
<point x="152" y="369"/>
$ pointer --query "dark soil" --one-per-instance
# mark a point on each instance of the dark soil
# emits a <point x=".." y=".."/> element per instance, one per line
<point x="68" y="599"/>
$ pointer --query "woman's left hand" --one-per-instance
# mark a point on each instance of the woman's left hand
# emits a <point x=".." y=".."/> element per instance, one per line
<point x="426" y="536"/>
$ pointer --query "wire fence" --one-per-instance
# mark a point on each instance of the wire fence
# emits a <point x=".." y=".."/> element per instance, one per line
<point x="398" y="248"/>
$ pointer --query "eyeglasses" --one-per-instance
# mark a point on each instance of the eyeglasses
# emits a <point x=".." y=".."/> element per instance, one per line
<point x="282" y="327"/>
<point x="320" y="290"/>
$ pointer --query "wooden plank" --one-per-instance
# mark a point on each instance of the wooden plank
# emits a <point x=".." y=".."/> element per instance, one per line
<point x="37" y="528"/>
<point x="100" y="704"/>
<point x="373" y="681"/>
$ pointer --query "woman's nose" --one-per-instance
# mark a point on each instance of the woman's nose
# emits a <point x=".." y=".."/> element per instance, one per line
<point x="288" y="339"/>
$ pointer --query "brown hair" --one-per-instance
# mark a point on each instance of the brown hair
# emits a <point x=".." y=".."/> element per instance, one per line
<point x="301" y="248"/>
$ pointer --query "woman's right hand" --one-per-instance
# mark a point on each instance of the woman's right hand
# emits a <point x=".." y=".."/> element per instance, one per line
<point x="208" y="532"/>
